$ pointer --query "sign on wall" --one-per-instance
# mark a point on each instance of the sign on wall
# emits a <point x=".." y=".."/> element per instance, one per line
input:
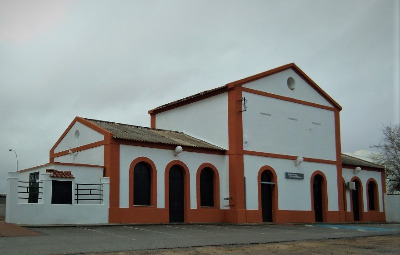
<point x="296" y="176"/>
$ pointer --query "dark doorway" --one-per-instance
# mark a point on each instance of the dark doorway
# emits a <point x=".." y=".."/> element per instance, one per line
<point x="176" y="194"/>
<point x="266" y="196"/>
<point x="61" y="192"/>
<point x="33" y="187"/>
<point x="317" y="192"/>
<point x="356" y="201"/>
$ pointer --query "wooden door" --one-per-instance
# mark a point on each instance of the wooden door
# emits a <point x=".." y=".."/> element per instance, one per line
<point x="176" y="194"/>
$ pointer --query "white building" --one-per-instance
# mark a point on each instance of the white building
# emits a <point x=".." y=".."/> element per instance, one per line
<point x="263" y="148"/>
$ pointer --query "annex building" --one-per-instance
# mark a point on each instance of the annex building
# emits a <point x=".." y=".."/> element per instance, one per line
<point x="265" y="148"/>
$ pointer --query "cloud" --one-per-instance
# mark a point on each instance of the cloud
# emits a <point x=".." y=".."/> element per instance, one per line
<point x="23" y="20"/>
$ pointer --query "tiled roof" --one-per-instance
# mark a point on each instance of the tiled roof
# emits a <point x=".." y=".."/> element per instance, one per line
<point x="152" y="135"/>
<point x="59" y="174"/>
<point x="198" y="96"/>
<point x="353" y="161"/>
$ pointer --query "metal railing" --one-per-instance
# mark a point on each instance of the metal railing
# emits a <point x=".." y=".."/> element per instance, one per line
<point x="88" y="192"/>
<point x="34" y="191"/>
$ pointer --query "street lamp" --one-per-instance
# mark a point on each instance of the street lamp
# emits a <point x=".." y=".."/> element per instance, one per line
<point x="16" y="157"/>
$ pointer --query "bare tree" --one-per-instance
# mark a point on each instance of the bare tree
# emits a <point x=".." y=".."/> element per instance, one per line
<point x="389" y="156"/>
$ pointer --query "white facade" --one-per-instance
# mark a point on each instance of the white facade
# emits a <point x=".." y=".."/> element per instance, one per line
<point x="206" y="119"/>
<point x="92" y="156"/>
<point x="364" y="176"/>
<point x="277" y="126"/>
<point x="161" y="158"/>
<point x="292" y="194"/>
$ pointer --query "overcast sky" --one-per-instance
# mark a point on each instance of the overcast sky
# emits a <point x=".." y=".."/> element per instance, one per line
<point x="115" y="60"/>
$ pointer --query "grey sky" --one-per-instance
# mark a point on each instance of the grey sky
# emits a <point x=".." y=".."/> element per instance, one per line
<point x="115" y="60"/>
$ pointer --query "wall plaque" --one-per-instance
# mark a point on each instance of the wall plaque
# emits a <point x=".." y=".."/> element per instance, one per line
<point x="297" y="176"/>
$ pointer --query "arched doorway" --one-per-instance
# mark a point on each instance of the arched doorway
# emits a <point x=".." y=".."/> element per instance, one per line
<point x="318" y="197"/>
<point x="267" y="195"/>
<point x="355" y="196"/>
<point x="176" y="194"/>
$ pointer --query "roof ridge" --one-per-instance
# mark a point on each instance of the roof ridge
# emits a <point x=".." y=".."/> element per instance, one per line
<point x="131" y="125"/>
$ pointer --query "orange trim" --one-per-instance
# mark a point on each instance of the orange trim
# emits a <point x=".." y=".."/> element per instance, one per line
<point x="344" y="201"/>
<point x="274" y="192"/>
<point x="364" y="168"/>
<point x="296" y="69"/>
<point x="82" y="121"/>
<point x="288" y="99"/>
<point x="170" y="147"/>
<point x="152" y="120"/>
<point x="360" y="194"/>
<point x="238" y="83"/>
<point x="153" y="176"/>
<point x="207" y="214"/>
<point x="286" y="216"/>
<point x="288" y="157"/>
<point x="188" y="100"/>
<point x="59" y="164"/>
<point x="324" y="196"/>
<point x="80" y="148"/>
<point x="186" y="187"/>
<point x="112" y="170"/>
<point x="236" y="214"/>
<point x="376" y="196"/>
<point x="215" y="184"/>
<point x="141" y="214"/>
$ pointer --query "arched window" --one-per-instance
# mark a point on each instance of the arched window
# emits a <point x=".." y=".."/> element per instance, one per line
<point x="207" y="187"/>
<point x="372" y="195"/>
<point x="141" y="184"/>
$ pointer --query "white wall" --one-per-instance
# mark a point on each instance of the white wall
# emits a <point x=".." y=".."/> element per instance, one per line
<point x="292" y="194"/>
<point x="161" y="159"/>
<point x="364" y="176"/>
<point x="392" y="208"/>
<point x="281" y="127"/>
<point x="77" y="136"/>
<point x="206" y="119"/>
<point x="277" y="84"/>
<point x="93" y="156"/>
<point x="45" y="213"/>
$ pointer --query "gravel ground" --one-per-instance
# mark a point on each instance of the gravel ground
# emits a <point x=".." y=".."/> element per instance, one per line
<point x="363" y="245"/>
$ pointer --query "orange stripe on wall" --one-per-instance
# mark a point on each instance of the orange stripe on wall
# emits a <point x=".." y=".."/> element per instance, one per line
<point x="288" y="99"/>
<point x="288" y="157"/>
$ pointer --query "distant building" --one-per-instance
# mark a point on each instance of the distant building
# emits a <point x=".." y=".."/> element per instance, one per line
<point x="265" y="148"/>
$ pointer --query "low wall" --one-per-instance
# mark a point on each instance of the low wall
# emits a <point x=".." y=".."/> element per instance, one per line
<point x="392" y="207"/>
<point x="46" y="213"/>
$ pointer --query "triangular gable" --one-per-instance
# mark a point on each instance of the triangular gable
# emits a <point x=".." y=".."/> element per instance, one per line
<point x="78" y="134"/>
<point x="289" y="67"/>
<point x="241" y="82"/>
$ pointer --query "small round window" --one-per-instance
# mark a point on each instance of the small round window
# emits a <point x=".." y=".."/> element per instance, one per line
<point x="77" y="134"/>
<point x="291" y="83"/>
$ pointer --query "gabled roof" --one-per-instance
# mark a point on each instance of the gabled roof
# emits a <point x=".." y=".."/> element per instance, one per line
<point x="353" y="161"/>
<point x="152" y="135"/>
<point x="231" y="85"/>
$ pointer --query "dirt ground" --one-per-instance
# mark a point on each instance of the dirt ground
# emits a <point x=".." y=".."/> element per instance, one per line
<point x="362" y="245"/>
